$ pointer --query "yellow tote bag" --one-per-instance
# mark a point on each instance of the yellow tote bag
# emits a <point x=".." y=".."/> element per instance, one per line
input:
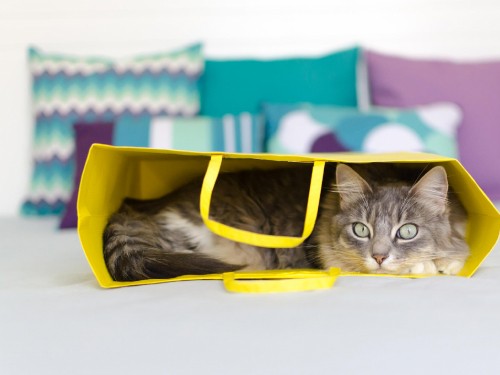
<point x="113" y="173"/>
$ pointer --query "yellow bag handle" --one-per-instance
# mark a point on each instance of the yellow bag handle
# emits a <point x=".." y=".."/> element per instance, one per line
<point x="279" y="281"/>
<point x="257" y="239"/>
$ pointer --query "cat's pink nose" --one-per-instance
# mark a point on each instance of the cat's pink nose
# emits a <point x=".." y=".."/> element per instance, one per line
<point x="379" y="258"/>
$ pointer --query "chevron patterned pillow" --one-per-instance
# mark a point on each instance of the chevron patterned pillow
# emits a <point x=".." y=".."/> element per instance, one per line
<point x="74" y="89"/>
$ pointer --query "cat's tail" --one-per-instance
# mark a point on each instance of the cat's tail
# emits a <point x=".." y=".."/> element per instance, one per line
<point x="148" y="263"/>
<point x="130" y="258"/>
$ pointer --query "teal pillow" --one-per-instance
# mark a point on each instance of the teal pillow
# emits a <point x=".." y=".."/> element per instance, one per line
<point x="307" y="128"/>
<point x="235" y="86"/>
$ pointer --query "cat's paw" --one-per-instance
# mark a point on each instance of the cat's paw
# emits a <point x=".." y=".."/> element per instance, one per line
<point x="423" y="268"/>
<point x="449" y="266"/>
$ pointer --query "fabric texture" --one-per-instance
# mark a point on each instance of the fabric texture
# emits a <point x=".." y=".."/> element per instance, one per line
<point x="474" y="86"/>
<point x="235" y="86"/>
<point x="243" y="133"/>
<point x="446" y="324"/>
<point x="307" y="128"/>
<point x="69" y="89"/>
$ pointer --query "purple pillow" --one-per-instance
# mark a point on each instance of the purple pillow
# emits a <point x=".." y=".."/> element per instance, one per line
<point x="475" y="87"/>
<point x="85" y="135"/>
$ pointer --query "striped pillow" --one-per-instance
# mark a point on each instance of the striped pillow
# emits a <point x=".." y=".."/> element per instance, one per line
<point x="68" y="89"/>
<point x="243" y="133"/>
<point x="231" y="133"/>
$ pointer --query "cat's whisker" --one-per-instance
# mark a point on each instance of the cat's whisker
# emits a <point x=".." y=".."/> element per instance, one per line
<point x="343" y="191"/>
<point x="437" y="194"/>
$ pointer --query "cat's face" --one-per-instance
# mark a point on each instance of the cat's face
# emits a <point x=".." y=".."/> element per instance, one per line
<point x="387" y="228"/>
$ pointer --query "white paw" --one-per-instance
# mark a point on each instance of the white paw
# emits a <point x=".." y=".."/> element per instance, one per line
<point x="424" y="268"/>
<point x="449" y="267"/>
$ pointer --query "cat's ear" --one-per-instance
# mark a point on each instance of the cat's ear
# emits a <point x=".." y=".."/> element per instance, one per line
<point x="433" y="188"/>
<point x="350" y="185"/>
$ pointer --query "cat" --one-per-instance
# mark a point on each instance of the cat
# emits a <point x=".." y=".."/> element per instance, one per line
<point x="375" y="218"/>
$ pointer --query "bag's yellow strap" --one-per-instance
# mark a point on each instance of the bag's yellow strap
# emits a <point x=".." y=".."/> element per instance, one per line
<point x="257" y="239"/>
<point x="279" y="281"/>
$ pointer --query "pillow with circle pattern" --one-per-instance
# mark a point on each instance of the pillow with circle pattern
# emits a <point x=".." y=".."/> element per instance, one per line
<point x="308" y="128"/>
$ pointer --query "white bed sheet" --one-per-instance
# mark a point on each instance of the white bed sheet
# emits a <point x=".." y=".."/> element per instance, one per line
<point x="55" y="319"/>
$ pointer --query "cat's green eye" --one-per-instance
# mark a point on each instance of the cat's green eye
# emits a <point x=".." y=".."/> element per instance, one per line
<point x="361" y="230"/>
<point x="407" y="232"/>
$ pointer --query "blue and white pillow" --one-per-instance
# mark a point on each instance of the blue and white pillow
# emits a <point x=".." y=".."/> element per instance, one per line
<point x="307" y="128"/>
<point x="70" y="89"/>
<point x="243" y="133"/>
<point x="231" y="133"/>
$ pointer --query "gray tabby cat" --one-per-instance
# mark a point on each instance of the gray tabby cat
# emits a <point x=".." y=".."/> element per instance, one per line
<point x="374" y="224"/>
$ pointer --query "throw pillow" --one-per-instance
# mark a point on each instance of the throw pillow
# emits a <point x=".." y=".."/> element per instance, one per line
<point x="85" y="136"/>
<point x="307" y="128"/>
<point x="235" y="86"/>
<point x="68" y="89"/>
<point x="474" y="86"/>
<point x="243" y="133"/>
<point x="231" y="133"/>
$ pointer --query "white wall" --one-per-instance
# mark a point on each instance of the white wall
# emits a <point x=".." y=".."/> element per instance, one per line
<point x="258" y="28"/>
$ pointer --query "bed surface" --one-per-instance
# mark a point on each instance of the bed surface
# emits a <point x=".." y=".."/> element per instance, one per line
<point x="55" y="319"/>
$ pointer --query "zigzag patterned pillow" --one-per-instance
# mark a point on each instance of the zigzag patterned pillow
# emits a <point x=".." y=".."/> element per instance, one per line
<point x="74" y="89"/>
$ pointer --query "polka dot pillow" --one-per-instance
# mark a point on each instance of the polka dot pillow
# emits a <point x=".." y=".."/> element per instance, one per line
<point x="307" y="128"/>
